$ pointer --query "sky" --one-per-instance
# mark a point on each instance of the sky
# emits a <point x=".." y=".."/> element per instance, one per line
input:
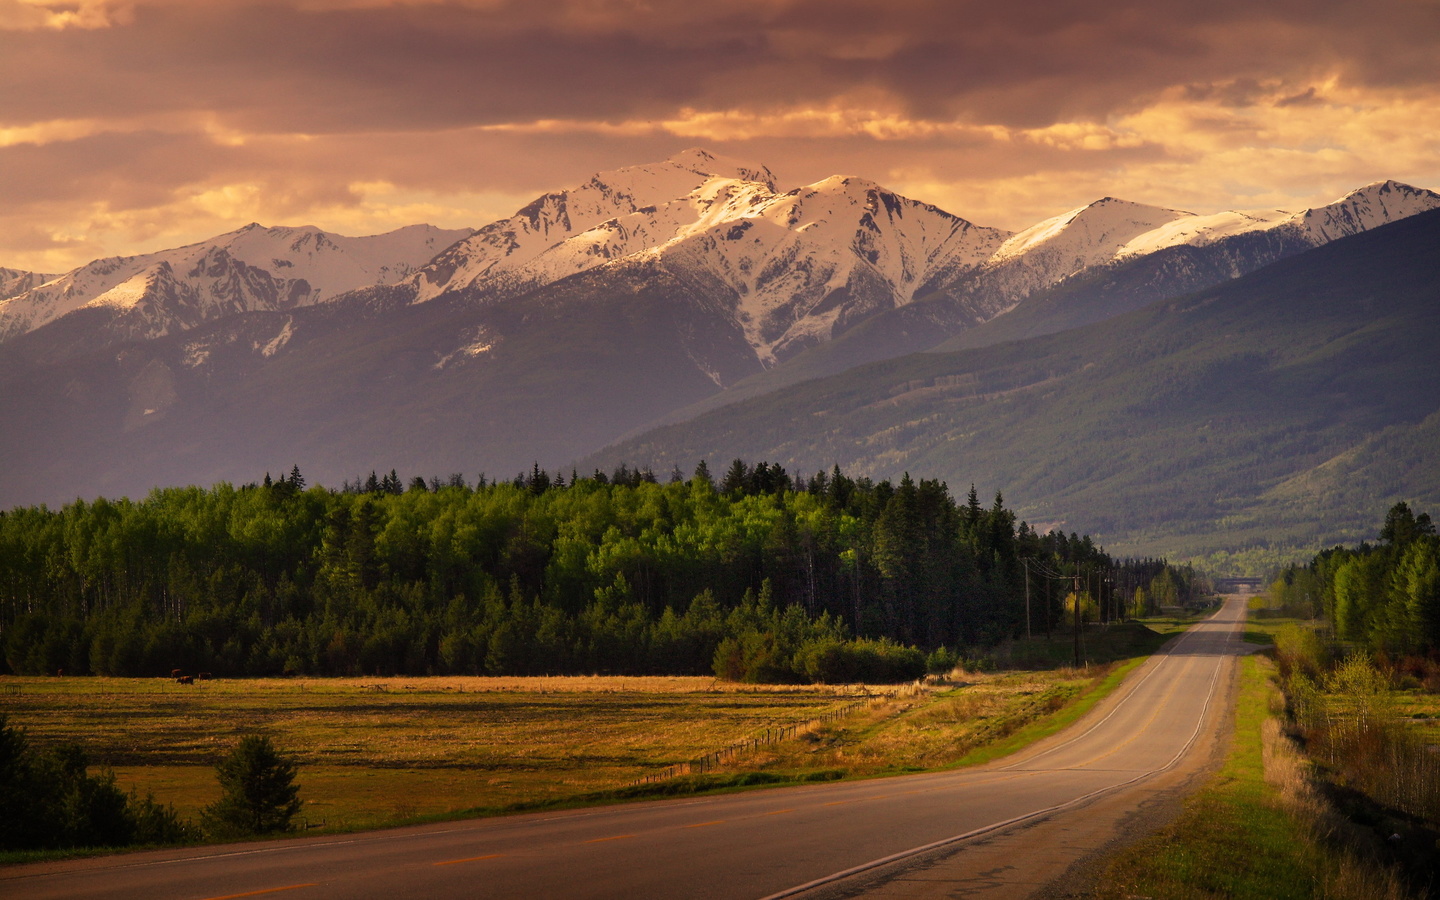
<point x="128" y="126"/>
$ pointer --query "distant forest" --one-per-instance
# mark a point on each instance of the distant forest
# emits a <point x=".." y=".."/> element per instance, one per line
<point x="1383" y="598"/>
<point x="756" y="576"/>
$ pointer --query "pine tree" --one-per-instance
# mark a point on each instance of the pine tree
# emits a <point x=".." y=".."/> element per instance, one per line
<point x="259" y="791"/>
<point x="737" y="479"/>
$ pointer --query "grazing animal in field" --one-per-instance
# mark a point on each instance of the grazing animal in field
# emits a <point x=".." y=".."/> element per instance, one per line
<point x="176" y="673"/>
<point x="204" y="676"/>
<point x="59" y="673"/>
<point x="185" y="679"/>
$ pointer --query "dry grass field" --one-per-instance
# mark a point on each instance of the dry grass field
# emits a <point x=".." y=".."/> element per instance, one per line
<point x="379" y="751"/>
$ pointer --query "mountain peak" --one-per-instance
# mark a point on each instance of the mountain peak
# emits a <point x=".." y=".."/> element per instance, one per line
<point x="1364" y="208"/>
<point x="702" y="161"/>
<point x="1088" y="234"/>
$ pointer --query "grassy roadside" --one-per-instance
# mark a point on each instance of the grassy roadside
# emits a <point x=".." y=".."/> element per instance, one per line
<point x="1253" y="832"/>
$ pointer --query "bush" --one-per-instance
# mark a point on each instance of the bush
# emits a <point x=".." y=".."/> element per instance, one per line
<point x="48" y="799"/>
<point x="1298" y="649"/>
<point x="260" y="795"/>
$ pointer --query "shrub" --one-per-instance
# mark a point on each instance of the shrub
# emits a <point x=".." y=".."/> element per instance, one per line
<point x="48" y="799"/>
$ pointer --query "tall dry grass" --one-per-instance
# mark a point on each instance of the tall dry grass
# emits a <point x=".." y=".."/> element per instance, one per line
<point x="1349" y="722"/>
<point x="1354" y="873"/>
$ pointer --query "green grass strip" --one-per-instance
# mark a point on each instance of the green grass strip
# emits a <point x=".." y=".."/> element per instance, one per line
<point x="1232" y="840"/>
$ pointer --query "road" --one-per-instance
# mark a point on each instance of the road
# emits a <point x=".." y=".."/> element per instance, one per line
<point x="1000" y="830"/>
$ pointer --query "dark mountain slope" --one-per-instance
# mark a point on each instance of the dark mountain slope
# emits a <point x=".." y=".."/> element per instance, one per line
<point x="438" y="387"/>
<point x="1162" y="429"/>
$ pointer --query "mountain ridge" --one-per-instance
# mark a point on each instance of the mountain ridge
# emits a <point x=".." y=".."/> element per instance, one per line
<point x="1232" y="413"/>
<point x="734" y="289"/>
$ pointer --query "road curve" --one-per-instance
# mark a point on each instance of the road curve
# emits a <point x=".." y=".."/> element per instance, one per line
<point x="810" y="840"/>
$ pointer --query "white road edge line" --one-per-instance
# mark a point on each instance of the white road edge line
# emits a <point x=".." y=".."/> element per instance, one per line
<point x="996" y="826"/>
<point x="1130" y="692"/>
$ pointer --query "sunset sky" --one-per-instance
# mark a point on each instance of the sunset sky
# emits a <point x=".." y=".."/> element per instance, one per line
<point x="134" y="126"/>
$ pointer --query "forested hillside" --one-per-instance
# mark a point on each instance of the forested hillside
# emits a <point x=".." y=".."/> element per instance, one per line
<point x="1285" y="409"/>
<point x="759" y="576"/>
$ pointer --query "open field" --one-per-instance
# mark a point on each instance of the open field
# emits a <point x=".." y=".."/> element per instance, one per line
<point x="378" y="751"/>
<point x="373" y="751"/>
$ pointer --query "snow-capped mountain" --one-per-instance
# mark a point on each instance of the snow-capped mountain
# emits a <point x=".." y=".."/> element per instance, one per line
<point x="795" y="266"/>
<point x="613" y="214"/>
<point x="1360" y="210"/>
<point x="252" y="268"/>
<point x="1112" y="256"/>
<point x="810" y="262"/>
<point x="1187" y="253"/>
<point x="800" y="267"/>
<point x="592" y="312"/>
<point x="1111" y="231"/>
<point x="1066" y="245"/>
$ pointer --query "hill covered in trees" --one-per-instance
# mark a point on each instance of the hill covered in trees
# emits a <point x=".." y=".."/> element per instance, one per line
<point x="760" y="576"/>
<point x="1286" y="409"/>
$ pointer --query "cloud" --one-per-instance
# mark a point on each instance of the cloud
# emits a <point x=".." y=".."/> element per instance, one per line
<point x="32" y="15"/>
<point x="124" y="124"/>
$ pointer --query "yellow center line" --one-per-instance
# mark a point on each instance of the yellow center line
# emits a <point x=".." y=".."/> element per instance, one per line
<point x="618" y="837"/>
<point x="778" y="812"/>
<point x="703" y="824"/>
<point x="837" y="803"/>
<point x="451" y="862"/>
<point x="288" y="887"/>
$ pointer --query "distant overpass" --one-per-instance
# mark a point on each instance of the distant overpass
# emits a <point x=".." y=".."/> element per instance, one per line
<point x="1238" y="585"/>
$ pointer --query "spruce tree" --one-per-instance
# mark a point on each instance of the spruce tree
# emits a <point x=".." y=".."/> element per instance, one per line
<point x="259" y="791"/>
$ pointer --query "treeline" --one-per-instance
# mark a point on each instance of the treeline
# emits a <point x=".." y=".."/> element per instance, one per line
<point x="1384" y="597"/>
<point x="760" y="576"/>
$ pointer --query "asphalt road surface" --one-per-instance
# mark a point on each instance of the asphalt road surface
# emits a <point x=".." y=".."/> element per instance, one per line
<point x="1002" y="830"/>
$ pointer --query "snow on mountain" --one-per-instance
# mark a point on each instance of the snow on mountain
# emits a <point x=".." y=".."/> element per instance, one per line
<point x="14" y="282"/>
<point x="1065" y="245"/>
<point x="669" y="195"/>
<point x="716" y="201"/>
<point x="1202" y="230"/>
<point x="1112" y="231"/>
<point x="1360" y="210"/>
<point x="792" y="264"/>
<point x="826" y="254"/>
<point x="251" y="268"/>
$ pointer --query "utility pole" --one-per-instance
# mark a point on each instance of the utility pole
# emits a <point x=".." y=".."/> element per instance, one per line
<point x="1076" y="587"/>
<point x="1026" y="563"/>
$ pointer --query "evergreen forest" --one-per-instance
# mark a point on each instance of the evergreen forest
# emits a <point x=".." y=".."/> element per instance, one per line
<point x="1381" y="597"/>
<point x="755" y="575"/>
